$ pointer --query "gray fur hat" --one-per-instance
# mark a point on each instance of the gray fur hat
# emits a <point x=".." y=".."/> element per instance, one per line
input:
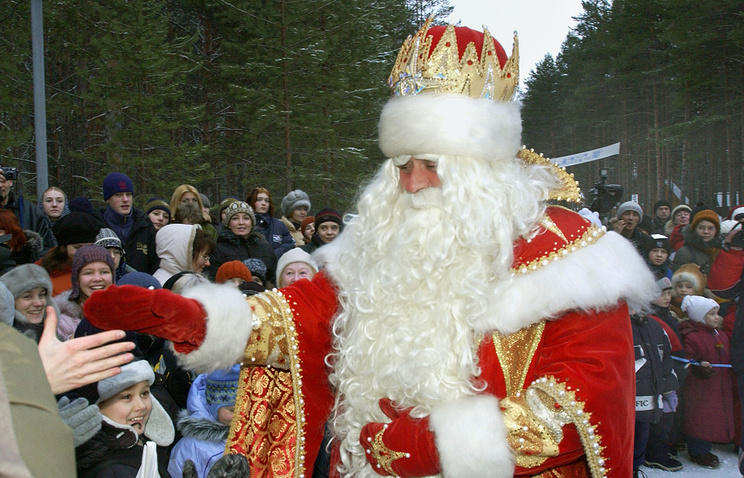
<point x="24" y="278"/>
<point x="293" y="200"/>
<point x="7" y="305"/>
<point x="159" y="426"/>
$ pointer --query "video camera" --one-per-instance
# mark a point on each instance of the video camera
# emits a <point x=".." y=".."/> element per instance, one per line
<point x="10" y="173"/>
<point x="604" y="196"/>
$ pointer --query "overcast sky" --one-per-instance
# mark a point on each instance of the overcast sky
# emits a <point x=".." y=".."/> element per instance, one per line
<point x="542" y="25"/>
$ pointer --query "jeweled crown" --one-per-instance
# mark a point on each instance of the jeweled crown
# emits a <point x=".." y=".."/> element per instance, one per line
<point x="419" y="69"/>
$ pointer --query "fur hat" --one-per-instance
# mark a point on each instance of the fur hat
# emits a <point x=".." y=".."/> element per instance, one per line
<point x="7" y="305"/>
<point x="629" y="206"/>
<point x="706" y="215"/>
<point x="691" y="273"/>
<point x="697" y="307"/>
<point x="26" y="277"/>
<point x="108" y="238"/>
<point x="221" y="389"/>
<point x="84" y="256"/>
<point x="157" y="203"/>
<point x="293" y="200"/>
<point x="328" y="214"/>
<point x="159" y="426"/>
<point x="140" y="279"/>
<point x="76" y="228"/>
<point x="257" y="268"/>
<point x="291" y="256"/>
<point x="239" y="206"/>
<point x="116" y="183"/>
<point x="233" y="269"/>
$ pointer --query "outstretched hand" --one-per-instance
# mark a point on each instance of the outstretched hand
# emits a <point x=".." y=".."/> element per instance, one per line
<point x="83" y="360"/>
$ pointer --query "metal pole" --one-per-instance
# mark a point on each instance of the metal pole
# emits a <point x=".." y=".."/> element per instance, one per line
<point x="37" y="41"/>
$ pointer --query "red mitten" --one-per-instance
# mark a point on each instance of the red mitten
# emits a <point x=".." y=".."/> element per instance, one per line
<point x="157" y="312"/>
<point x="403" y="447"/>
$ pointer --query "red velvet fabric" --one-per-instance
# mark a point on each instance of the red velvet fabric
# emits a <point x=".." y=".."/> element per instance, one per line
<point x="406" y="435"/>
<point x="156" y="312"/>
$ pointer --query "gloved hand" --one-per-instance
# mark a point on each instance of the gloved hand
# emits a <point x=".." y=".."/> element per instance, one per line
<point x="157" y="312"/>
<point x="669" y="401"/>
<point x="82" y="418"/>
<point x="403" y="447"/>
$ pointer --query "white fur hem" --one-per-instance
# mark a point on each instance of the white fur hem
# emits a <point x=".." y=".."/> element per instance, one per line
<point x="452" y="125"/>
<point x="229" y="325"/>
<point x="596" y="277"/>
<point x="471" y="438"/>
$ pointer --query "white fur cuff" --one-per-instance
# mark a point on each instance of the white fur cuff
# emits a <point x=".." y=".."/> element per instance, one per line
<point x="229" y="325"/>
<point x="471" y="438"/>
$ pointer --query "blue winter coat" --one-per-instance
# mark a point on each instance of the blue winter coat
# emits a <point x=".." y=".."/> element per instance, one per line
<point x="275" y="233"/>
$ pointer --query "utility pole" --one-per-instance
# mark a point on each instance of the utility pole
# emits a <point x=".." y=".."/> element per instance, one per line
<point x="37" y="42"/>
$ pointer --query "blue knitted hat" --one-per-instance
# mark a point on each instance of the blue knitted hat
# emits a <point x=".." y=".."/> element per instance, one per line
<point x="221" y="389"/>
<point x="116" y="183"/>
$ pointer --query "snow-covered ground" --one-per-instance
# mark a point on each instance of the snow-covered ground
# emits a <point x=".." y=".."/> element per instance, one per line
<point x="729" y="466"/>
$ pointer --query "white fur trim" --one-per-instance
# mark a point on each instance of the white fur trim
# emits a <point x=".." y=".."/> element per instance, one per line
<point x="595" y="277"/>
<point x="450" y="124"/>
<point x="471" y="438"/>
<point x="229" y="325"/>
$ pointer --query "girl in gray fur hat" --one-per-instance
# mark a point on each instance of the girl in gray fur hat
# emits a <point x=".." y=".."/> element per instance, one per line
<point x="32" y="291"/>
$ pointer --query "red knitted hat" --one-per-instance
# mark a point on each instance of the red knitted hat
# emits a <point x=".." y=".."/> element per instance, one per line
<point x="231" y="270"/>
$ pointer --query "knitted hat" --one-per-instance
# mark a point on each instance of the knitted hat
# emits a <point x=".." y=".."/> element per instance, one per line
<point x="696" y="307"/>
<point x="205" y="200"/>
<point x="80" y="204"/>
<point x="108" y="238"/>
<point x="657" y="241"/>
<point x="293" y="200"/>
<point x="233" y="269"/>
<point x="236" y="207"/>
<point x="140" y="279"/>
<point x="660" y="203"/>
<point x="159" y="426"/>
<point x="292" y="256"/>
<point x="257" y="268"/>
<point x="629" y="206"/>
<point x="157" y="203"/>
<point x="706" y="215"/>
<point x="663" y="284"/>
<point x="691" y="273"/>
<point x="7" y="306"/>
<point x="84" y="256"/>
<point x="116" y="183"/>
<point x="681" y="207"/>
<point x="76" y="228"/>
<point x="305" y="222"/>
<point x="226" y="202"/>
<point x="221" y="389"/>
<point x="327" y="214"/>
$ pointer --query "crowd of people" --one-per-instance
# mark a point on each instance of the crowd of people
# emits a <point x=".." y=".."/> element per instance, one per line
<point x="460" y="325"/>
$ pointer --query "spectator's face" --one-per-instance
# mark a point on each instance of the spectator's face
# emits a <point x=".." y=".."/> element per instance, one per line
<point x="225" y="415"/>
<point x="131" y="406"/>
<point x="662" y="212"/>
<point x="53" y="204"/>
<point x="682" y="218"/>
<point x="5" y="186"/>
<point x="683" y="289"/>
<point x="664" y="299"/>
<point x="327" y="231"/>
<point x="121" y="203"/>
<point x="299" y="214"/>
<point x="308" y="232"/>
<point x="205" y="211"/>
<point x="418" y="174"/>
<point x="658" y="256"/>
<point x="94" y="276"/>
<point x="240" y="224"/>
<point x="294" y="272"/>
<point x="713" y="319"/>
<point x="706" y="230"/>
<point x="116" y="254"/>
<point x="32" y="304"/>
<point x="159" y="218"/>
<point x="631" y="219"/>
<point x="200" y="262"/>
<point x="189" y="197"/>
<point x="261" y="206"/>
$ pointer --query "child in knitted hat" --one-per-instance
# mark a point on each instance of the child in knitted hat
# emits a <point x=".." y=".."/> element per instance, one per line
<point x="205" y="423"/>
<point x="158" y="211"/>
<point x="687" y="280"/>
<point x="708" y="392"/>
<point x="135" y="429"/>
<point x="657" y="248"/>
<point x="234" y="273"/>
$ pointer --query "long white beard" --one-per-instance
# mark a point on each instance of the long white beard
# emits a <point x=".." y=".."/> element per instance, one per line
<point x="413" y="279"/>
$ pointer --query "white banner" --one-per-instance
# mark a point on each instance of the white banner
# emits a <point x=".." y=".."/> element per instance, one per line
<point x="587" y="156"/>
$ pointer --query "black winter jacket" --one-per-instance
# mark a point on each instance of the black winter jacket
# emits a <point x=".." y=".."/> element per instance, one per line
<point x="140" y="245"/>
<point x="233" y="248"/>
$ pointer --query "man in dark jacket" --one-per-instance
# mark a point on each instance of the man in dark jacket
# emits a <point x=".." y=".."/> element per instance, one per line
<point x="131" y="225"/>
<point x="27" y="213"/>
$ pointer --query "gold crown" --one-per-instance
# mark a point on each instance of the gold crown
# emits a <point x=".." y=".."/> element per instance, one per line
<point x="568" y="189"/>
<point x="416" y="71"/>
